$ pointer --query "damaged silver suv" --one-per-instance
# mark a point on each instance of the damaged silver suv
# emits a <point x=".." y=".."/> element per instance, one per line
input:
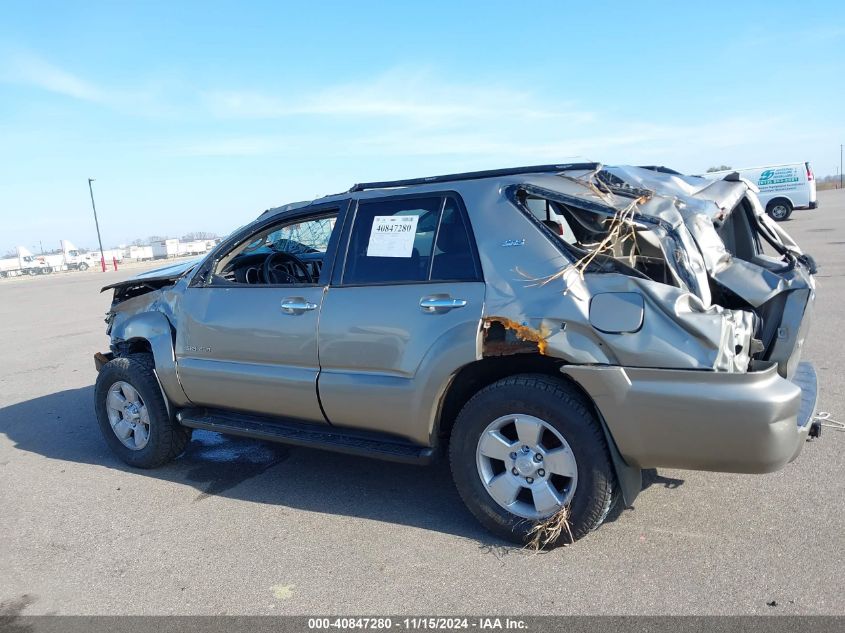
<point x="555" y="328"/>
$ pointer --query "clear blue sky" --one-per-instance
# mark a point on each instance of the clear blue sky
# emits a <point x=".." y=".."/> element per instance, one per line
<point x="199" y="115"/>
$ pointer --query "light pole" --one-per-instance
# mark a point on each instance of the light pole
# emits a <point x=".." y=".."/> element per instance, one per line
<point x="840" y="165"/>
<point x="97" y="224"/>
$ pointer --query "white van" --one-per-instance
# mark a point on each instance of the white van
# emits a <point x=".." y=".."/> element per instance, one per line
<point x="782" y="187"/>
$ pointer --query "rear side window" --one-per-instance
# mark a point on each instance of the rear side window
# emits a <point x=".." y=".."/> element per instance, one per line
<point x="409" y="240"/>
<point x="453" y="255"/>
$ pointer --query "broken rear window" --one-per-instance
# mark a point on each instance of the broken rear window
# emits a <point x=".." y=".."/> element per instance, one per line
<point x="587" y="231"/>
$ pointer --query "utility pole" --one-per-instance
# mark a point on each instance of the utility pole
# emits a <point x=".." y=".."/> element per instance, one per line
<point x="97" y="224"/>
<point x="840" y="165"/>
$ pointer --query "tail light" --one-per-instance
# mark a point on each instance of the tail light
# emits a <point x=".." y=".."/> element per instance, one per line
<point x="809" y="171"/>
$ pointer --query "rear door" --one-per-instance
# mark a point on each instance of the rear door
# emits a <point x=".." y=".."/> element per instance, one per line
<point x="402" y="314"/>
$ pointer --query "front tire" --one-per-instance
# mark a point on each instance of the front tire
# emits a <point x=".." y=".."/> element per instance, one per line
<point x="525" y="447"/>
<point x="779" y="210"/>
<point x="132" y="413"/>
<point x="82" y="267"/>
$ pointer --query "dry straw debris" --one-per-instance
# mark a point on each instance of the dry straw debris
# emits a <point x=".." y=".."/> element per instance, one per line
<point x="548" y="532"/>
<point x="621" y="227"/>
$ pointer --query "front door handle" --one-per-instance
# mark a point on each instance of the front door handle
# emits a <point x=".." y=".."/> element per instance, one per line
<point x="297" y="305"/>
<point x="440" y="303"/>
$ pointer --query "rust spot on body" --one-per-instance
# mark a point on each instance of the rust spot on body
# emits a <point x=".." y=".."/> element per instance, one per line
<point x="501" y="346"/>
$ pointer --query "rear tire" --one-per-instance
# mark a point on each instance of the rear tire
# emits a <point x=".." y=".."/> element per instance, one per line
<point x="136" y="426"/>
<point x="565" y="415"/>
<point x="779" y="209"/>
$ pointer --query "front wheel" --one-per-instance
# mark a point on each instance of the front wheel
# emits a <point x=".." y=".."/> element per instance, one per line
<point x="132" y="413"/>
<point x="779" y="210"/>
<point x="83" y="266"/>
<point x="525" y="447"/>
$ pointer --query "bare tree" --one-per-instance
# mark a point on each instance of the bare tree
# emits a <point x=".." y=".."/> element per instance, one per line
<point x="710" y="170"/>
<point x="199" y="235"/>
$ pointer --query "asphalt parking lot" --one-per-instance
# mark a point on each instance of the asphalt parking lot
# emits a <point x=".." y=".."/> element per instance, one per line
<point x="241" y="527"/>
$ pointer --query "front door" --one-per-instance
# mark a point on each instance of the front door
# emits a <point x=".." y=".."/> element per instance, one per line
<point x="248" y="333"/>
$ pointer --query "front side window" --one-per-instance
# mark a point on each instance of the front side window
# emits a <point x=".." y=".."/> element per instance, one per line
<point x="286" y="253"/>
<point x="409" y="240"/>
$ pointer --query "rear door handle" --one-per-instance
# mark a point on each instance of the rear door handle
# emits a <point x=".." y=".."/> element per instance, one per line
<point x="297" y="305"/>
<point x="439" y="304"/>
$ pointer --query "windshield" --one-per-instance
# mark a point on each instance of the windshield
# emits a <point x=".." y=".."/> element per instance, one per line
<point x="307" y="237"/>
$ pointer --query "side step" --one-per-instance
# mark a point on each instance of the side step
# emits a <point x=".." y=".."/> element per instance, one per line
<point x="350" y="441"/>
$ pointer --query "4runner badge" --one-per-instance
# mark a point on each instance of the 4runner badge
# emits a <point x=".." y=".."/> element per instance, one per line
<point x="192" y="348"/>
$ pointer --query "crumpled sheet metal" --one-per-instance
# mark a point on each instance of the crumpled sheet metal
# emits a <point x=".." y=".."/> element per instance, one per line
<point x="163" y="300"/>
<point x="693" y="194"/>
<point x="681" y="327"/>
<point x="755" y="283"/>
<point x="678" y="329"/>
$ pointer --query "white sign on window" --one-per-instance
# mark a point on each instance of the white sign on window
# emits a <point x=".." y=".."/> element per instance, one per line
<point x="392" y="236"/>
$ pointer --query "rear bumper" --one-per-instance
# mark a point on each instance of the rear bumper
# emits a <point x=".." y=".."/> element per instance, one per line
<point x="702" y="420"/>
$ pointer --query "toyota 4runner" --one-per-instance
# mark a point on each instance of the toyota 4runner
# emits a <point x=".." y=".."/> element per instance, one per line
<point x="556" y="329"/>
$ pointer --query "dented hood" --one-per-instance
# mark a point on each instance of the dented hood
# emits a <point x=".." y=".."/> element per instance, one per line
<point x="158" y="275"/>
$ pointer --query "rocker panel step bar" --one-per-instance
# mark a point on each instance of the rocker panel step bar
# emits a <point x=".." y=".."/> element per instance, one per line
<point x="326" y="437"/>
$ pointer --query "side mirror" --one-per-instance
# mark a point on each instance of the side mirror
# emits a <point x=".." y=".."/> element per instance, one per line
<point x="617" y="312"/>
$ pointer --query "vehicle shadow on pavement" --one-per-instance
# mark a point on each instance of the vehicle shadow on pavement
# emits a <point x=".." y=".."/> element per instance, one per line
<point x="62" y="426"/>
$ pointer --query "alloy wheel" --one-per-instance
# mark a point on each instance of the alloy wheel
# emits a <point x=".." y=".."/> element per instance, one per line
<point x="526" y="466"/>
<point x="128" y="415"/>
<point x="779" y="212"/>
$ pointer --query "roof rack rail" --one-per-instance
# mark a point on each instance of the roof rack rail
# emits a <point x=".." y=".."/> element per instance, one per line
<point x="661" y="169"/>
<point x="476" y="175"/>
